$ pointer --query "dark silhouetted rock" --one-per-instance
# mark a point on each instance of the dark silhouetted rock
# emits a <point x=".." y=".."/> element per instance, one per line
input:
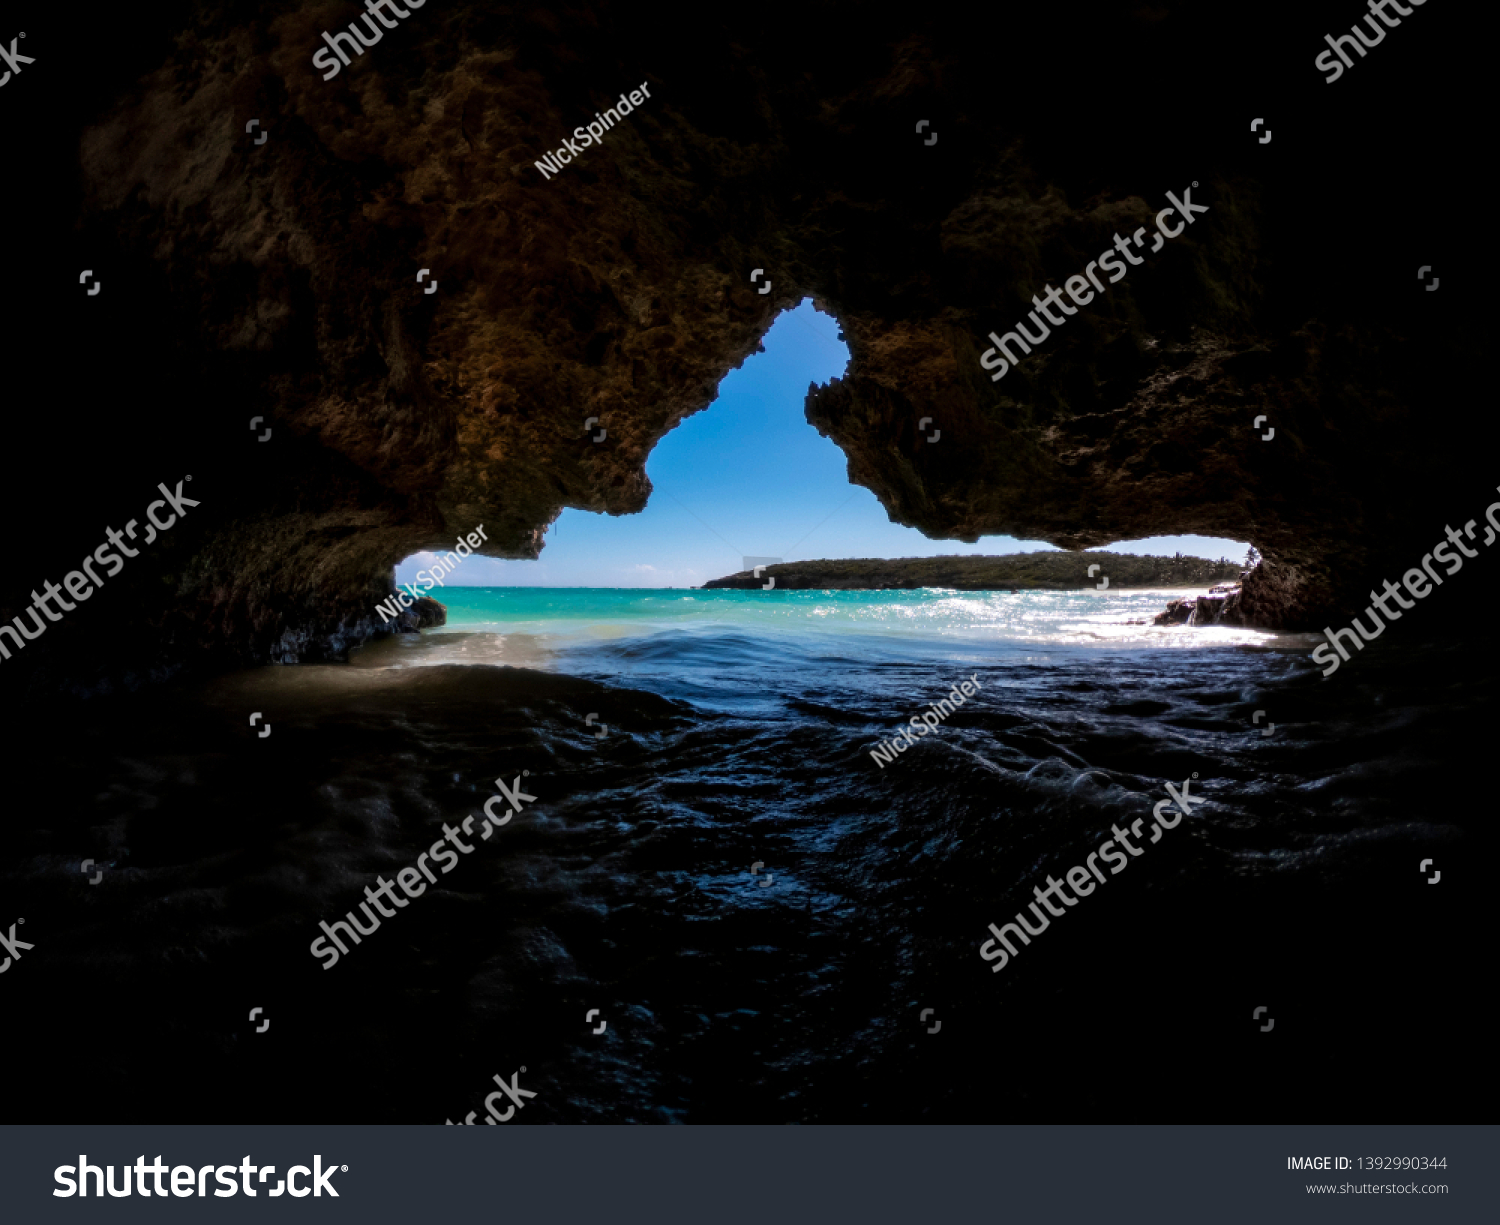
<point x="425" y="613"/>
<point x="279" y="281"/>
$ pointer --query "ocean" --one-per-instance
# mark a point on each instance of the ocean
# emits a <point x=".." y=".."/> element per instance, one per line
<point x="768" y="921"/>
<point x="640" y="632"/>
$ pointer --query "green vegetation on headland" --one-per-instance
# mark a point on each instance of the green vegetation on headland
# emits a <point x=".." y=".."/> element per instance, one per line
<point x="1018" y="571"/>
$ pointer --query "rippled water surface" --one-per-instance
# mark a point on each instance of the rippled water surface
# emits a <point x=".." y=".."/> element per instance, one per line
<point x="733" y="731"/>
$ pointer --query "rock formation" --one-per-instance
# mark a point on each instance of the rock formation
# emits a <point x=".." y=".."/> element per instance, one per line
<point x="279" y="280"/>
<point x="425" y="613"/>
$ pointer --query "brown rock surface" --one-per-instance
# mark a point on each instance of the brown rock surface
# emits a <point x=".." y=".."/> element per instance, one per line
<point x="425" y="613"/>
<point x="283" y="279"/>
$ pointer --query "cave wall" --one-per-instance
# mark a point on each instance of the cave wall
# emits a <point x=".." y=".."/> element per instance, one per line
<point x="279" y="280"/>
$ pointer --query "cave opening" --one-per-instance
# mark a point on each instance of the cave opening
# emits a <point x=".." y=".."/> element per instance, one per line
<point x="769" y="829"/>
<point x="748" y="478"/>
<point x="748" y="487"/>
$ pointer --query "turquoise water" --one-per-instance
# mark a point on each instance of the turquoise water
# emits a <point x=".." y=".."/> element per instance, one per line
<point x="533" y="622"/>
<point x="723" y="639"/>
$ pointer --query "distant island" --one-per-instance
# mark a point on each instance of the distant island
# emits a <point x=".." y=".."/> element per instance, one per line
<point x="1012" y="571"/>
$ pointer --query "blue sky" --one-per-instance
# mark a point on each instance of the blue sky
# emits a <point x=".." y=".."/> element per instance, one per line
<point x="748" y="476"/>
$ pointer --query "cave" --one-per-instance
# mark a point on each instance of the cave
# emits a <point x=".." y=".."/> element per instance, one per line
<point x="279" y="281"/>
<point x="361" y="319"/>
